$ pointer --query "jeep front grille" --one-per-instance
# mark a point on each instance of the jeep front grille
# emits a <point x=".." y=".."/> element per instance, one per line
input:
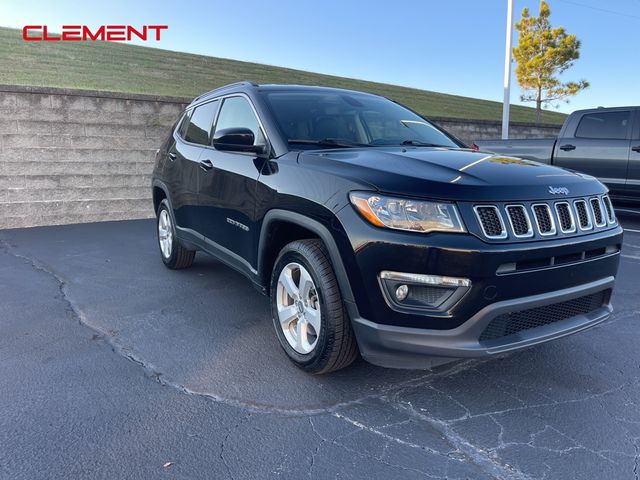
<point x="519" y="221"/>
<point x="491" y="221"/>
<point x="565" y="217"/>
<point x="544" y="219"/>
<point x="583" y="215"/>
<point x="609" y="208"/>
<point x="598" y="215"/>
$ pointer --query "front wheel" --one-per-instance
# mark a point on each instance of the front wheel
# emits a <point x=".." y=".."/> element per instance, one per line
<point x="307" y="309"/>
<point x="174" y="255"/>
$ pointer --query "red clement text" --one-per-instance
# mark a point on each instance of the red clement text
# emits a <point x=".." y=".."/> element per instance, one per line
<point x="77" y="33"/>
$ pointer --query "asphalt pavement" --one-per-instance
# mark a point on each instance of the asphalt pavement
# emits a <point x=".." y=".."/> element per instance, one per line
<point x="112" y="366"/>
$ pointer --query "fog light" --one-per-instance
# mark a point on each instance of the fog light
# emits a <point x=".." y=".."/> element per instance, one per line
<point x="401" y="292"/>
<point x="418" y="291"/>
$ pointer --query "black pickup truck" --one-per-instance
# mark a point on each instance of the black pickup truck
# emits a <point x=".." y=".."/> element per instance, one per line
<point x="374" y="231"/>
<point x="603" y="142"/>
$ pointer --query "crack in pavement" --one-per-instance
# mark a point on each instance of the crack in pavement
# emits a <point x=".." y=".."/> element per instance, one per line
<point x="537" y="405"/>
<point x="561" y="451"/>
<point x="636" y="461"/>
<point x="386" y="436"/>
<point x="487" y="459"/>
<point x="224" y="441"/>
<point x="380" y="459"/>
<point x="462" y="450"/>
<point x="480" y="457"/>
<point x="314" y="454"/>
<point x="153" y="373"/>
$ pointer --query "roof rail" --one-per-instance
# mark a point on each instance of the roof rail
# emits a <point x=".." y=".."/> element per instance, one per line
<point x="241" y="82"/>
<point x="224" y="87"/>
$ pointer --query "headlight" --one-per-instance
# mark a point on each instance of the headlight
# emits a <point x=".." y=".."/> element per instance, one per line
<point x="407" y="214"/>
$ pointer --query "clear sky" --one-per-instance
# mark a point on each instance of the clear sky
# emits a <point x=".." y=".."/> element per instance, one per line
<point x="451" y="46"/>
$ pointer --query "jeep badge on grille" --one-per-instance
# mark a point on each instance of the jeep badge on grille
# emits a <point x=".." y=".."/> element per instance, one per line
<point x="558" y="190"/>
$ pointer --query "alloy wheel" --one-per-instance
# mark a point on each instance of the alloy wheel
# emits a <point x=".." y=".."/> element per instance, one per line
<point x="165" y="233"/>
<point x="298" y="308"/>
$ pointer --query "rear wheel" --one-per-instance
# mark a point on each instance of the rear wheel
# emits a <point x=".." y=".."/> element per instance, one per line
<point x="174" y="255"/>
<point x="307" y="309"/>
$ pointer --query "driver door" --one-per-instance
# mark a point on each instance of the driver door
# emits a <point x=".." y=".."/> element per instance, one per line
<point x="227" y="193"/>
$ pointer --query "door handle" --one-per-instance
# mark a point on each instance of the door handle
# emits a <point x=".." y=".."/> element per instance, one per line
<point x="567" y="147"/>
<point x="172" y="155"/>
<point x="636" y="148"/>
<point x="206" y="165"/>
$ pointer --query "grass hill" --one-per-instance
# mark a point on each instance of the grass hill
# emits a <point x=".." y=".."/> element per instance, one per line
<point x="127" y="68"/>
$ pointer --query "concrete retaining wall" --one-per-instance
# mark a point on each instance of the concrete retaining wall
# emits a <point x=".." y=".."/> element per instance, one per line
<point x="70" y="156"/>
<point x="75" y="157"/>
<point x="470" y="130"/>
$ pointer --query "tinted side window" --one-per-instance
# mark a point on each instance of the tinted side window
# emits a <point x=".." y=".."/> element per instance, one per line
<point x="184" y="122"/>
<point x="610" y="125"/>
<point x="236" y="112"/>
<point x="201" y="122"/>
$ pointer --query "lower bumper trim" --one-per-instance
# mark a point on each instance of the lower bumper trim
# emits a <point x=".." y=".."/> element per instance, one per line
<point x="404" y="347"/>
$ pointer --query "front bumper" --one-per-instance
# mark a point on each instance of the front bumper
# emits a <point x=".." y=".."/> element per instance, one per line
<point x="508" y="277"/>
<point x="405" y="347"/>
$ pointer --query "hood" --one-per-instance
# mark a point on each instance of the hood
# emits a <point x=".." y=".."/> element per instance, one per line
<point x="453" y="174"/>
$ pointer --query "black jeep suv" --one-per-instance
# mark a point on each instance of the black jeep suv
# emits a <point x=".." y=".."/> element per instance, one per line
<point x="374" y="231"/>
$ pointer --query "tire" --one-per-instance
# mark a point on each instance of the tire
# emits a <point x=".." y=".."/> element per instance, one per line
<point x="175" y="256"/>
<point x="332" y="347"/>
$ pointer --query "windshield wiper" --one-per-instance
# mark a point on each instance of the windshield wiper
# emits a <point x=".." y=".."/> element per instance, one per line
<point x="416" y="143"/>
<point x="326" y="142"/>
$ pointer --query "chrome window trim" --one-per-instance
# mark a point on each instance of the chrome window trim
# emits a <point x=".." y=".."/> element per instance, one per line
<point x="189" y="111"/>
<point x="529" y="233"/>
<point x="503" y="234"/>
<point x="588" y="210"/>
<point x="183" y="116"/>
<point x="221" y="99"/>
<point x="553" y="230"/>
<point x="574" y="226"/>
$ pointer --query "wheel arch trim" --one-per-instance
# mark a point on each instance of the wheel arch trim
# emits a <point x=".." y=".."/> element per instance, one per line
<point x="162" y="186"/>
<point x="323" y="233"/>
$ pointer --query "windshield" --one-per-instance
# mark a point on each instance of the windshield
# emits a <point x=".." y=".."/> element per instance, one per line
<point x="342" y="119"/>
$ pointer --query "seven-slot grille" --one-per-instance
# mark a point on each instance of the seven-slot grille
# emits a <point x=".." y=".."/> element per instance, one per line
<point x="565" y="217"/>
<point x="519" y="220"/>
<point x="607" y="205"/>
<point x="544" y="218"/>
<point x="598" y="215"/>
<point x="491" y="221"/>
<point x="583" y="215"/>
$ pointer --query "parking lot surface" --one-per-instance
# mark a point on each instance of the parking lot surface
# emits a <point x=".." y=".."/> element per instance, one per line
<point x="112" y="366"/>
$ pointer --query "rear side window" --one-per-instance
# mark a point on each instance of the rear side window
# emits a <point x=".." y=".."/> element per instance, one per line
<point x="237" y="112"/>
<point x="608" y="125"/>
<point x="184" y="123"/>
<point x="199" y="128"/>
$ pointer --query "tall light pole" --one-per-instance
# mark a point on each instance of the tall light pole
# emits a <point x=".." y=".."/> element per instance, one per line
<point x="507" y="72"/>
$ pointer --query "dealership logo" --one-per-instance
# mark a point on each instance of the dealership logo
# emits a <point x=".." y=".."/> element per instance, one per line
<point x="80" y="33"/>
<point x="558" y="190"/>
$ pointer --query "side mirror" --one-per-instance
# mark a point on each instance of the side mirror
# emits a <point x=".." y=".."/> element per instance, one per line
<point x="237" y="140"/>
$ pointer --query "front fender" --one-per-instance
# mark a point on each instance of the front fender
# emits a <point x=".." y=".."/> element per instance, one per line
<point x="327" y="238"/>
